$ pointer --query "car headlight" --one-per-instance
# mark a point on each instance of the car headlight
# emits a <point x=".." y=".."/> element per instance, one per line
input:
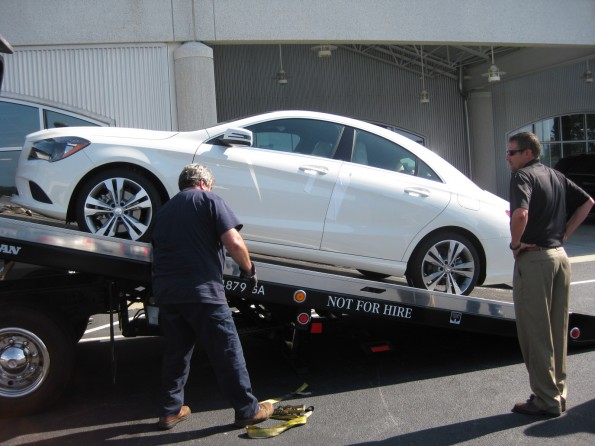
<point x="55" y="149"/>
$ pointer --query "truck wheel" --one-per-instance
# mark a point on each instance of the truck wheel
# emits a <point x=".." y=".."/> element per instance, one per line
<point x="446" y="262"/>
<point x="118" y="203"/>
<point x="79" y="327"/>
<point x="36" y="360"/>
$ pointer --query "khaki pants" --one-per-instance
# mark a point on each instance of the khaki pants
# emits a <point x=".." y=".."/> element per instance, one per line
<point x="541" y="286"/>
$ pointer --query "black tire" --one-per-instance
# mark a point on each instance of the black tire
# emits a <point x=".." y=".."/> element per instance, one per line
<point x="36" y="360"/>
<point x="446" y="262"/>
<point x="117" y="203"/>
<point x="79" y="327"/>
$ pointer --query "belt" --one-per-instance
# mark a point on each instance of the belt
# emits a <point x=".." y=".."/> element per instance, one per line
<point x="539" y="248"/>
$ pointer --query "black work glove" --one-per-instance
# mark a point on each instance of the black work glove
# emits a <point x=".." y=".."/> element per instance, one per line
<point x="250" y="276"/>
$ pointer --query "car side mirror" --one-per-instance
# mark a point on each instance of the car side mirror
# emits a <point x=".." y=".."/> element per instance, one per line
<point x="236" y="137"/>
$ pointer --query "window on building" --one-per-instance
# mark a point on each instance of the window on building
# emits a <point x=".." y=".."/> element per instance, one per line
<point x="17" y="120"/>
<point x="563" y="136"/>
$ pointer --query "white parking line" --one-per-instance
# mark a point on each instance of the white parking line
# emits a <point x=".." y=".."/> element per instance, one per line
<point x="101" y="327"/>
<point x="101" y="338"/>
<point x="582" y="281"/>
<point x="579" y="259"/>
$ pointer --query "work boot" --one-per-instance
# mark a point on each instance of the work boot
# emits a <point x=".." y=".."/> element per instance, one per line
<point x="265" y="410"/>
<point x="169" y="422"/>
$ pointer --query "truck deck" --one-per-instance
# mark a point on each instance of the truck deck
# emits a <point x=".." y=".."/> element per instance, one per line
<point x="84" y="274"/>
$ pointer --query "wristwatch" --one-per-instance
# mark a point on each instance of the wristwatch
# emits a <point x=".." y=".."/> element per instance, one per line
<point x="514" y="248"/>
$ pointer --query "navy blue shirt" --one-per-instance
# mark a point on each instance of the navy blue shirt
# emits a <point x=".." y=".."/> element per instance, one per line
<point x="550" y="198"/>
<point x="188" y="255"/>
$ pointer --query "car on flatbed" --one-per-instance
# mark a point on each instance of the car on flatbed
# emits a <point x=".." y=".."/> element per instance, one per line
<point x="309" y="186"/>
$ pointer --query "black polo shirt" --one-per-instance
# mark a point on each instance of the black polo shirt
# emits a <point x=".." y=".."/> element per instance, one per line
<point x="188" y="255"/>
<point x="550" y="199"/>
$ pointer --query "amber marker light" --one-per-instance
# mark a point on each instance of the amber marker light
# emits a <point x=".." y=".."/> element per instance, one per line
<point x="299" y="296"/>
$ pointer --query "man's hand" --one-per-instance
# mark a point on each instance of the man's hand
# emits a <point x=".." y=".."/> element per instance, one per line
<point x="250" y="276"/>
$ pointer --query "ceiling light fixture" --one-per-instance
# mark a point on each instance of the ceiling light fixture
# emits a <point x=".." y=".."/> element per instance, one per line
<point x="324" y="51"/>
<point x="424" y="96"/>
<point x="588" y="74"/>
<point x="281" y="76"/>
<point x="493" y="73"/>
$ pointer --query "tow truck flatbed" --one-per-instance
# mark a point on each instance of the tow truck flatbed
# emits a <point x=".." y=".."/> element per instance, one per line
<point x="325" y="288"/>
<point x="96" y="274"/>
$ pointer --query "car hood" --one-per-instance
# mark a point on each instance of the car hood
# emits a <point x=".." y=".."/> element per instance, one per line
<point x="92" y="133"/>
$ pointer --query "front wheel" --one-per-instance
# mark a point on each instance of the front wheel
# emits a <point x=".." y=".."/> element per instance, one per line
<point x="118" y="203"/>
<point x="36" y="360"/>
<point x="446" y="262"/>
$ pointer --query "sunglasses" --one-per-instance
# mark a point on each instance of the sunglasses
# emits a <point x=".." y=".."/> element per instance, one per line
<point x="514" y="152"/>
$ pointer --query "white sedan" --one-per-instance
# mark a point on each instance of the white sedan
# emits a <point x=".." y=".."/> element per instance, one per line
<point x="308" y="186"/>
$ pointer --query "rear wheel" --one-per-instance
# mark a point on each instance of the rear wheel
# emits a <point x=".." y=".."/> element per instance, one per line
<point x="446" y="262"/>
<point x="118" y="203"/>
<point x="36" y="360"/>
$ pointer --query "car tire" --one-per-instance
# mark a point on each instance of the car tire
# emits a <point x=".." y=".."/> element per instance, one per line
<point x="118" y="203"/>
<point x="36" y="360"/>
<point x="446" y="262"/>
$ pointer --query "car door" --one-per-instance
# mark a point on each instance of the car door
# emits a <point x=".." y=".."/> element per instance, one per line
<point x="382" y="199"/>
<point x="281" y="186"/>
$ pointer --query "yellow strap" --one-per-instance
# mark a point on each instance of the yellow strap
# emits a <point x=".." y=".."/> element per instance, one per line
<point x="288" y="412"/>
<point x="299" y="390"/>
<point x="273" y="431"/>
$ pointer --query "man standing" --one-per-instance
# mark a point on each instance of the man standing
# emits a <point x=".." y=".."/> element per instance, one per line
<point x="190" y="236"/>
<point x="545" y="209"/>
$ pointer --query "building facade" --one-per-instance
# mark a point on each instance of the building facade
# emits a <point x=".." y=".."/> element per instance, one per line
<point x="186" y="64"/>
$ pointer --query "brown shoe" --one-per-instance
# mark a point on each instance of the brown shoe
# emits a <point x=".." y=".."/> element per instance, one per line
<point x="529" y="408"/>
<point x="265" y="410"/>
<point x="562" y="401"/>
<point x="169" y="422"/>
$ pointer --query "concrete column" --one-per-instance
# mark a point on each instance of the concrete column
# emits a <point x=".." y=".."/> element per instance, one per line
<point x="481" y="130"/>
<point x="195" y="86"/>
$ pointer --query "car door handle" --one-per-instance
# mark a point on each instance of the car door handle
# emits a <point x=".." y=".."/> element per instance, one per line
<point x="417" y="191"/>
<point x="320" y="170"/>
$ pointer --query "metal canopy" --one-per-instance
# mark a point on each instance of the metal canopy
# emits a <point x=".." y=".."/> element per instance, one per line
<point x="438" y="60"/>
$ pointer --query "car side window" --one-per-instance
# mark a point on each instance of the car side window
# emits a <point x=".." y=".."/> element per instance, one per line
<point x="305" y="136"/>
<point x="16" y="121"/>
<point x="373" y="150"/>
<point x="52" y="119"/>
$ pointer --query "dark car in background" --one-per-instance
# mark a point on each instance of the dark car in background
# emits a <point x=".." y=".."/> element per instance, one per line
<point x="581" y="170"/>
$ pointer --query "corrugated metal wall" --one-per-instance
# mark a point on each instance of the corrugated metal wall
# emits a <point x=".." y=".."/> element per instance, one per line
<point x="129" y="84"/>
<point x="346" y="84"/>
<point x="519" y="102"/>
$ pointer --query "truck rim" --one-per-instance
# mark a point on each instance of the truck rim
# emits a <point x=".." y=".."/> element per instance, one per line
<point x="24" y="362"/>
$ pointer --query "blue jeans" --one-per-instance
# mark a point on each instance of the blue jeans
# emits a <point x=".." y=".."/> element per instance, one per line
<point x="213" y="325"/>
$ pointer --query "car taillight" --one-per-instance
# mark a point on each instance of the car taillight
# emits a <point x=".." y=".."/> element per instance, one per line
<point x="55" y="149"/>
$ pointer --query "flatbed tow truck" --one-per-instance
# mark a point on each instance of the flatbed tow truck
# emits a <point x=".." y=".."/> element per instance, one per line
<point x="54" y="278"/>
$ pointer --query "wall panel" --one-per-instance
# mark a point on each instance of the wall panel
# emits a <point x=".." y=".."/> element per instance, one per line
<point x="129" y="84"/>
<point x="347" y="84"/>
